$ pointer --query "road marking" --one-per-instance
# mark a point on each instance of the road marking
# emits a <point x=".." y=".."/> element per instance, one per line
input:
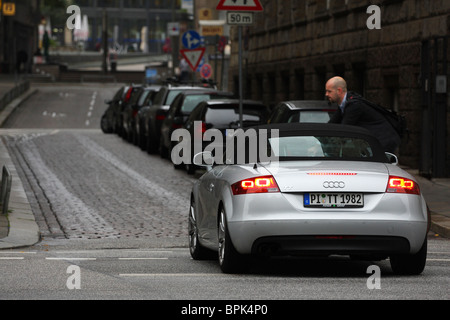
<point x="19" y="252"/>
<point x="70" y="259"/>
<point x="12" y="258"/>
<point x="438" y="259"/>
<point x="143" y="258"/>
<point x="169" y="274"/>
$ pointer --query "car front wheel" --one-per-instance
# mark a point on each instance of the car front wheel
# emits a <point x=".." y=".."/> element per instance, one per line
<point x="198" y="252"/>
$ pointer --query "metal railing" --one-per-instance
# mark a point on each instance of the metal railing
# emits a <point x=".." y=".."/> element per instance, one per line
<point x="5" y="190"/>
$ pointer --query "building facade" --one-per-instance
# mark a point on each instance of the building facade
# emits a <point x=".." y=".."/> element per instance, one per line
<point x="127" y="18"/>
<point x="19" y="36"/>
<point x="294" y="47"/>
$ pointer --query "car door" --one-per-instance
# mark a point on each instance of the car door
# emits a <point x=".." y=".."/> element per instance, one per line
<point x="208" y="206"/>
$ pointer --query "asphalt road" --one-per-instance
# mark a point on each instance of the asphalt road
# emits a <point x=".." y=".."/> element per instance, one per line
<point x="114" y="225"/>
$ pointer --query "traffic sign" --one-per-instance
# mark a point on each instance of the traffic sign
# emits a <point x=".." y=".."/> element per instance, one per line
<point x="206" y="71"/>
<point x="240" y="18"/>
<point x="223" y="41"/>
<point x="240" y="5"/>
<point x="193" y="57"/>
<point x="173" y="29"/>
<point x="9" y="8"/>
<point x="191" y="40"/>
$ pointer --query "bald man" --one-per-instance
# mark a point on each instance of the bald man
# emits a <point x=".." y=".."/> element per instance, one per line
<point x="336" y="90"/>
<point x="354" y="111"/>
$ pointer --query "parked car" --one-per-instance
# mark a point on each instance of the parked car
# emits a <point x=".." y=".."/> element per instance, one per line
<point x="331" y="190"/>
<point x="130" y="94"/>
<point x="152" y="118"/>
<point x="109" y="118"/>
<point x="302" y="111"/>
<point x="223" y="115"/>
<point x="179" y="111"/>
<point x="141" y="98"/>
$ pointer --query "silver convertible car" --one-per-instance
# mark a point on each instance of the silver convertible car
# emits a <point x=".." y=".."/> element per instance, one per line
<point x="312" y="189"/>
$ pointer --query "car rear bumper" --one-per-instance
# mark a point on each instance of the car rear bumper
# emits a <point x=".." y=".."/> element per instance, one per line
<point x="328" y="236"/>
<point x="340" y="245"/>
<point x="388" y="223"/>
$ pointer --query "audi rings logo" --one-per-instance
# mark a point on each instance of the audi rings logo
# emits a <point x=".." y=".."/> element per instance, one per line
<point x="334" y="184"/>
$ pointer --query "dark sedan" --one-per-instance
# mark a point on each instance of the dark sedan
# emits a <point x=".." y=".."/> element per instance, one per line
<point x="222" y="115"/>
<point x="153" y="117"/>
<point x="142" y="98"/>
<point x="179" y="111"/>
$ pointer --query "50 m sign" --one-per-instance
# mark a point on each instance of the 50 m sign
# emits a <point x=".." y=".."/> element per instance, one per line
<point x="240" y="18"/>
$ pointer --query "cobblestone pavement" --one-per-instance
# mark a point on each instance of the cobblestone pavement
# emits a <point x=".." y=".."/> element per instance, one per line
<point x="87" y="185"/>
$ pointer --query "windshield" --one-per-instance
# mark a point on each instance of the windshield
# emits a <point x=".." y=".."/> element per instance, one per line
<point x="191" y="101"/>
<point x="171" y="96"/>
<point x="311" y="116"/>
<point x="229" y="116"/>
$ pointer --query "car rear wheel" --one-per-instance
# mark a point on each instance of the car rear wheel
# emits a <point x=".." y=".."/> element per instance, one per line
<point x="163" y="151"/>
<point x="411" y="264"/>
<point x="230" y="260"/>
<point x="198" y="252"/>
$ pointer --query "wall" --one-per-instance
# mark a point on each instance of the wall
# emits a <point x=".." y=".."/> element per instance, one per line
<point x="296" y="46"/>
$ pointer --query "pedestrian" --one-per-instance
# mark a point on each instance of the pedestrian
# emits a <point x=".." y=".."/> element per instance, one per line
<point x="354" y="111"/>
<point x="185" y="70"/>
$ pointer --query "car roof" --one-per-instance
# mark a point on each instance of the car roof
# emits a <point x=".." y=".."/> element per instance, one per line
<point x="152" y="87"/>
<point x="314" y="128"/>
<point x="188" y="88"/>
<point x="219" y="102"/>
<point x="197" y="91"/>
<point x="307" y="104"/>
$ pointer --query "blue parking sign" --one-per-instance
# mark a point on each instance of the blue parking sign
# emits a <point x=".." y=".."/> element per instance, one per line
<point x="191" y="39"/>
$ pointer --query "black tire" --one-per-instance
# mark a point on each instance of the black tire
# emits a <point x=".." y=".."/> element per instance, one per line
<point x="152" y="147"/>
<point x="163" y="151"/>
<point x="230" y="260"/>
<point x="410" y="264"/>
<point x="190" y="168"/>
<point x="198" y="252"/>
<point x="105" y="126"/>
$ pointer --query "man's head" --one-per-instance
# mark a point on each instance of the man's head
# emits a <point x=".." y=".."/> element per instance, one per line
<point x="335" y="90"/>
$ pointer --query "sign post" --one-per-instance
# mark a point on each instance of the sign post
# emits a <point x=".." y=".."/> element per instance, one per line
<point x="243" y="16"/>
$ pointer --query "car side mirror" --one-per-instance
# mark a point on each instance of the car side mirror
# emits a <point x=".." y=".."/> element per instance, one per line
<point x="392" y="158"/>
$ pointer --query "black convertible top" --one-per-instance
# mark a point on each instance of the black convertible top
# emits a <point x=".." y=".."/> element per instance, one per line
<point x="329" y="130"/>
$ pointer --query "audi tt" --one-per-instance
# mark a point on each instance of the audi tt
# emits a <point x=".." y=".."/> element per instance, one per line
<point x="307" y="189"/>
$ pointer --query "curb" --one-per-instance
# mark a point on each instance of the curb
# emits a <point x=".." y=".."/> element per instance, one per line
<point x="14" y="104"/>
<point x="440" y="224"/>
<point x="23" y="229"/>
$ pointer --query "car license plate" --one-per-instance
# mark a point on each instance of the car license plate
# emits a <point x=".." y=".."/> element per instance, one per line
<point x="333" y="200"/>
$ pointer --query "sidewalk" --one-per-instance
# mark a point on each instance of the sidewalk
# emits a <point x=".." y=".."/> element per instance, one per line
<point x="20" y="228"/>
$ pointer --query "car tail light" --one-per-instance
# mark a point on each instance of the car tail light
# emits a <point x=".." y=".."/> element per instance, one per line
<point x="402" y="185"/>
<point x="160" y="117"/>
<point x="201" y="129"/>
<point x="265" y="184"/>
<point x="128" y="96"/>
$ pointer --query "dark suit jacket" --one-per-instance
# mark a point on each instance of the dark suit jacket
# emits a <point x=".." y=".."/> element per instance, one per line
<point x="357" y="113"/>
